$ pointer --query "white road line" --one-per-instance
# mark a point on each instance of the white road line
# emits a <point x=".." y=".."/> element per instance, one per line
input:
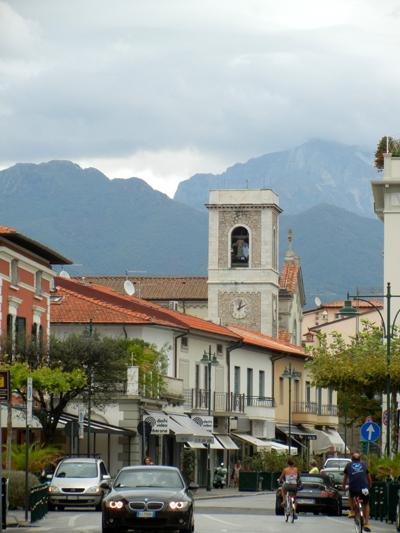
<point x="218" y="520"/>
<point x="71" y="521"/>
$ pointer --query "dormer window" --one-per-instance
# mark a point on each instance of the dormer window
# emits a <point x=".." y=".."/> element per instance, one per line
<point x="240" y="249"/>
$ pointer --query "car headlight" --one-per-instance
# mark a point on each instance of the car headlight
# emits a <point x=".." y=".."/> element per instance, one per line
<point x="96" y="489"/>
<point x="54" y="489"/>
<point x="178" y="506"/>
<point x="115" y="504"/>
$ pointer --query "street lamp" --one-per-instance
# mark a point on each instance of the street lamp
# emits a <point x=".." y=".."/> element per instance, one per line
<point x="210" y="360"/>
<point x="290" y="373"/>
<point x="388" y="330"/>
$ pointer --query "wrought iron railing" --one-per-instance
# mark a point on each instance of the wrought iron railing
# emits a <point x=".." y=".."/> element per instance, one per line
<point x="259" y="401"/>
<point x="314" y="408"/>
<point x="220" y="401"/>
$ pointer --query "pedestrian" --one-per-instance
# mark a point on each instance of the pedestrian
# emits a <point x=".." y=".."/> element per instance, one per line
<point x="236" y="473"/>
<point x="148" y="461"/>
<point x="313" y="467"/>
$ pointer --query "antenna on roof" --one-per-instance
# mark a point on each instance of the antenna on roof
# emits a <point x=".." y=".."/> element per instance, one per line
<point x="129" y="287"/>
<point x="64" y="274"/>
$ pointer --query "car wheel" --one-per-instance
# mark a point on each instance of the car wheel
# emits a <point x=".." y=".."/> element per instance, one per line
<point x="278" y="507"/>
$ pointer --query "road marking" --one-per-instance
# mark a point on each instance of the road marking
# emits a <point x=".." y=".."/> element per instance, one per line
<point x="220" y="521"/>
<point x="71" y="521"/>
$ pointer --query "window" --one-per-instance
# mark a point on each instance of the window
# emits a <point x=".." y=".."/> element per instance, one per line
<point x="220" y="349"/>
<point x="38" y="283"/>
<point x="249" y="385"/>
<point x="20" y="333"/>
<point x="274" y="249"/>
<point x="34" y="333"/>
<point x="197" y="377"/>
<point x="319" y="400"/>
<point x="308" y="392"/>
<point x="14" y="272"/>
<point x="184" y="343"/>
<point x="297" y="391"/>
<point x="281" y="390"/>
<point x="206" y="377"/>
<point x="330" y="396"/>
<point x="237" y="380"/>
<point x="261" y="384"/>
<point x="240" y="250"/>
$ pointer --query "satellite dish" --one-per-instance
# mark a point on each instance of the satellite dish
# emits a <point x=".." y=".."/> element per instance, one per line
<point x="317" y="301"/>
<point x="129" y="287"/>
<point x="64" y="274"/>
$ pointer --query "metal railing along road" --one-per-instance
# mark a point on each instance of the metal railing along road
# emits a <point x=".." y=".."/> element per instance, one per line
<point x="314" y="408"/>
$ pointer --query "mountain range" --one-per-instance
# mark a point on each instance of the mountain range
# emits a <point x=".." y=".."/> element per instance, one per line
<point x="317" y="172"/>
<point x="111" y="226"/>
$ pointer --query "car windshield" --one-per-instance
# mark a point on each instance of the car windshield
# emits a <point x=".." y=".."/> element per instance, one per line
<point x="77" y="470"/>
<point x="147" y="477"/>
<point x="337" y="477"/>
<point x="335" y="463"/>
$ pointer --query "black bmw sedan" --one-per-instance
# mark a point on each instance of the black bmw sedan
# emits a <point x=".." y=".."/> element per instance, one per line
<point x="316" y="495"/>
<point x="148" y="498"/>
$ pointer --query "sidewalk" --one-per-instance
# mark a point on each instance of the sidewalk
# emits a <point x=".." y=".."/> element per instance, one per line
<point x="16" y="518"/>
<point x="203" y="494"/>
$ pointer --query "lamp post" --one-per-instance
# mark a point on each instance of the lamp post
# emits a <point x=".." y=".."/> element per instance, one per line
<point x="388" y="330"/>
<point x="290" y="373"/>
<point x="210" y="360"/>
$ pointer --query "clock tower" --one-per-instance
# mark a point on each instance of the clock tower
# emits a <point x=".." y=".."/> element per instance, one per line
<point x="243" y="276"/>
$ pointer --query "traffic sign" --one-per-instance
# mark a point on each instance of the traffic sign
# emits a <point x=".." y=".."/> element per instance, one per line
<point x="370" y="432"/>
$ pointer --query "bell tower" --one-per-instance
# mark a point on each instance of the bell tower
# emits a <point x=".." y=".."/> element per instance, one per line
<point x="243" y="273"/>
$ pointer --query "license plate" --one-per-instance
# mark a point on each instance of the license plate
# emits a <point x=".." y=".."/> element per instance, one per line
<point x="305" y="501"/>
<point x="145" y="514"/>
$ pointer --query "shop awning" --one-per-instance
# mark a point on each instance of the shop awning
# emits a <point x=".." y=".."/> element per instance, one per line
<point x="282" y="448"/>
<point x="96" y="426"/>
<point x="195" y="445"/>
<point x="328" y="440"/>
<point x="188" y="430"/>
<point x="298" y="431"/>
<point x="253" y="441"/>
<point x="227" y="442"/>
<point x="216" y="445"/>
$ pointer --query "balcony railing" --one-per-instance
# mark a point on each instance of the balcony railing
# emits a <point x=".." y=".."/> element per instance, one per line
<point x="220" y="401"/>
<point x="314" y="408"/>
<point x="259" y="401"/>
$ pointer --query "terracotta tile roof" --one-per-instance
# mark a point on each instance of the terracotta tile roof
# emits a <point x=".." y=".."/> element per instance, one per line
<point x="5" y="230"/>
<point x="157" y="288"/>
<point x="289" y="277"/>
<point x="142" y="310"/>
<point x="356" y="303"/>
<point x="256" y="338"/>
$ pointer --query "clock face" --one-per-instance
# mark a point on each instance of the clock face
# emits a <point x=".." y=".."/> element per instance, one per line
<point x="240" y="307"/>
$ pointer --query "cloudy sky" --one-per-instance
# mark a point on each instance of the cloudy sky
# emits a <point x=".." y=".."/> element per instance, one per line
<point x="161" y="89"/>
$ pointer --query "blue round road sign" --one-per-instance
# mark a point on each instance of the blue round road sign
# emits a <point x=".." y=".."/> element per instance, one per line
<point x="370" y="432"/>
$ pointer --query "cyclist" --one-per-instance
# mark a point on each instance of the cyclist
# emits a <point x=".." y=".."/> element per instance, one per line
<point x="290" y="478"/>
<point x="357" y="476"/>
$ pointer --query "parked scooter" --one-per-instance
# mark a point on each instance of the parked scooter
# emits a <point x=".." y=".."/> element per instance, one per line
<point x="220" y="474"/>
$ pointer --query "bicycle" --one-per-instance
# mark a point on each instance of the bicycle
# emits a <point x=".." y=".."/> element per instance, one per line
<point x="359" y="519"/>
<point x="290" y="506"/>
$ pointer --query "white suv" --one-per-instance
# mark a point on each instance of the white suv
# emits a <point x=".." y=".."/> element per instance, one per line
<point x="76" y="482"/>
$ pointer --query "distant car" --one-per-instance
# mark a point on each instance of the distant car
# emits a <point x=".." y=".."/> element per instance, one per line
<point x="336" y="463"/>
<point x="76" y="482"/>
<point x="337" y="480"/>
<point x="149" y="498"/>
<point x="317" y="495"/>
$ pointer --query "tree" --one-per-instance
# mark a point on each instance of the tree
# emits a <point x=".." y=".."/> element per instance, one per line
<point x="386" y="143"/>
<point x="357" y="369"/>
<point x="78" y="365"/>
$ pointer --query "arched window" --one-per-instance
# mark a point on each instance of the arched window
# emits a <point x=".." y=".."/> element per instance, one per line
<point x="240" y="249"/>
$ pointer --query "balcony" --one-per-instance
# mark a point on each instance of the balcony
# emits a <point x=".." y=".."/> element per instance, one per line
<point x="173" y="389"/>
<point x="221" y="402"/>
<point x="315" y="413"/>
<point x="260" y="407"/>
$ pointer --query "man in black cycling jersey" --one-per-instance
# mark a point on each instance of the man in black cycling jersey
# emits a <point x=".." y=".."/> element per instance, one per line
<point x="357" y="476"/>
